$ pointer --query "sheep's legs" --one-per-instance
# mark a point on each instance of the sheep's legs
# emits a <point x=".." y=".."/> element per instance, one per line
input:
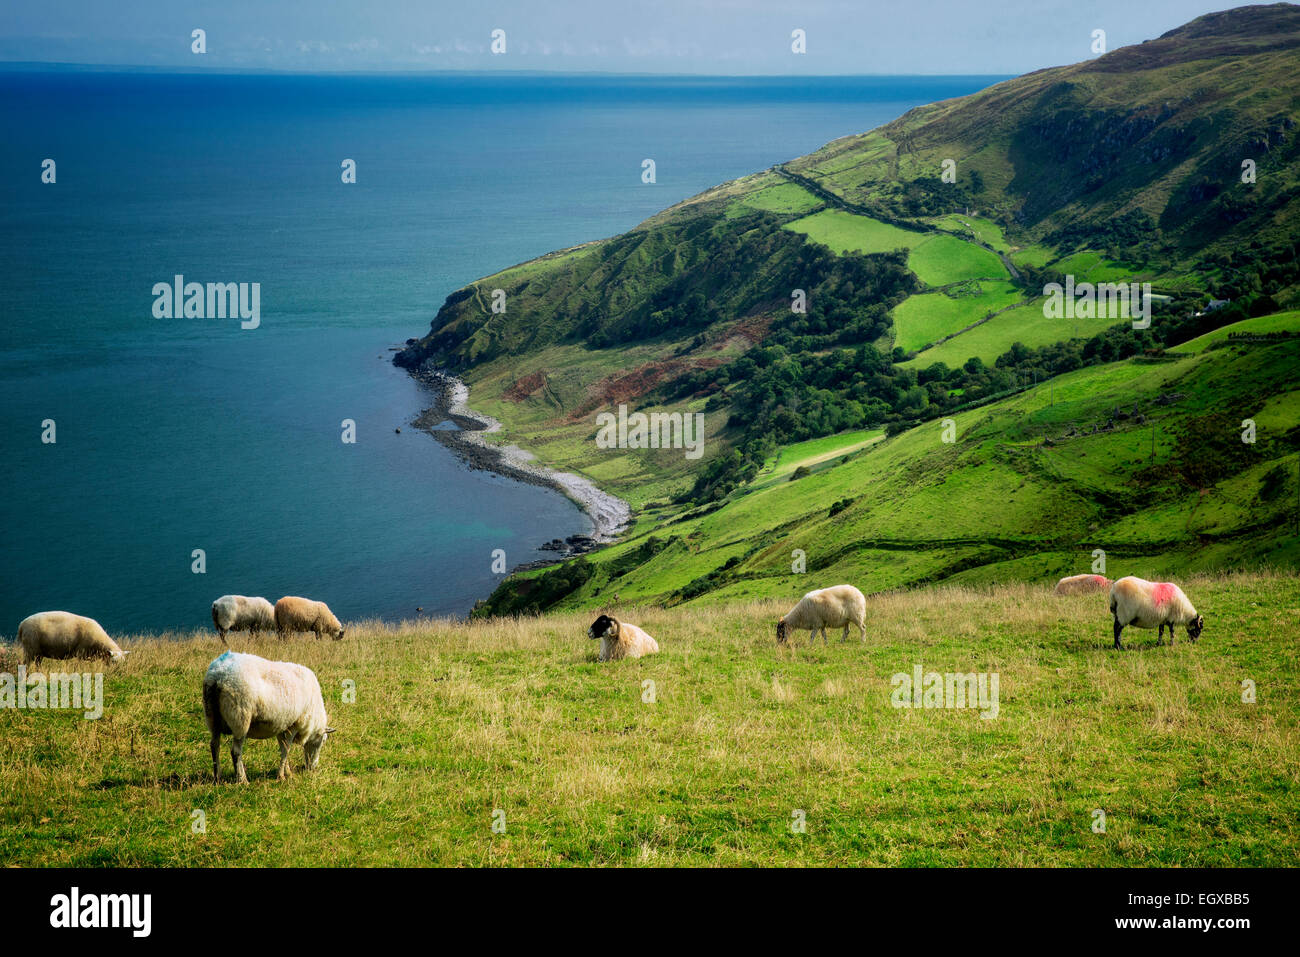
<point x="1118" y="629"/>
<point x="845" y="636"/>
<point x="216" y="757"/>
<point x="237" y="756"/>
<point x="284" y="757"/>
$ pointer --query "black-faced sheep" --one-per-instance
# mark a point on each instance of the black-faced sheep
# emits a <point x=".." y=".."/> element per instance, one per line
<point x="303" y="614"/>
<point x="61" y="634"/>
<point x="1159" y="605"/>
<point x="839" y="605"/>
<point x="620" y="639"/>
<point x="245" y="696"/>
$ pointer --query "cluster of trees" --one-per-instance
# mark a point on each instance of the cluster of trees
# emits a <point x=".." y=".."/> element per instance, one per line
<point x="1118" y="233"/>
<point x="930" y="196"/>
<point x="1255" y="275"/>
<point x="732" y="270"/>
<point x="780" y="395"/>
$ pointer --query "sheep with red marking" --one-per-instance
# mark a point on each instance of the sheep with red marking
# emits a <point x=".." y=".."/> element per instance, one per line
<point x="1082" y="585"/>
<point x="839" y="605"/>
<point x="1159" y="605"/>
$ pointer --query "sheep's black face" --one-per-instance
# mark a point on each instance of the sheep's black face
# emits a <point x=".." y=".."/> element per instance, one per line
<point x="601" y="627"/>
<point x="780" y="632"/>
<point x="1195" y="626"/>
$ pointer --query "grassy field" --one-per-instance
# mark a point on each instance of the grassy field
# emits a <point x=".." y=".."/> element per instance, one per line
<point x="846" y="232"/>
<point x="936" y="258"/>
<point x="924" y="319"/>
<point x="451" y="722"/>
<point x="1024" y="324"/>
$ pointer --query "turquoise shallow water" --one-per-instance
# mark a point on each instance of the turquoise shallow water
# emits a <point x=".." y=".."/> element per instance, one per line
<point x="183" y="434"/>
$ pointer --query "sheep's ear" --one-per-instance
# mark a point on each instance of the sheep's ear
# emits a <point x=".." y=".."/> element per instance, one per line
<point x="331" y="731"/>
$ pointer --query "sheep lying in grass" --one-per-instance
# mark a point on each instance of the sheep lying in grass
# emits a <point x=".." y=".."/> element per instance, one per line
<point x="303" y="614"/>
<point x="826" y="608"/>
<point x="241" y="613"/>
<point x="245" y="696"/>
<point x="1159" y="605"/>
<point x="620" y="639"/>
<point x="1082" y="585"/>
<point x="61" y="634"/>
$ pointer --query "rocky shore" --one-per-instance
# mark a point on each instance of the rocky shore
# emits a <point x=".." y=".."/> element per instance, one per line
<point x="609" y="515"/>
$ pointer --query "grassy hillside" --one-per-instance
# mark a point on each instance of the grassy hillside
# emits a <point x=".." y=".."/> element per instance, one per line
<point x="1141" y="458"/>
<point x="1155" y="132"/>
<point x="451" y="722"/>
<point x="853" y="291"/>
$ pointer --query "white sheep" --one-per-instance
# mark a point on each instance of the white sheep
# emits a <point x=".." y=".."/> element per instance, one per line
<point x="620" y="639"/>
<point x="1159" y="605"/>
<point x="242" y="613"/>
<point x="61" y="634"/>
<point x="826" y="608"/>
<point x="1082" y="584"/>
<point x="303" y="614"/>
<point x="249" y="697"/>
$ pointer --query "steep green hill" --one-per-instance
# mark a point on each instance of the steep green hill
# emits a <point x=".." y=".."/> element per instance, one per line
<point x="856" y="291"/>
<point x="1143" y="459"/>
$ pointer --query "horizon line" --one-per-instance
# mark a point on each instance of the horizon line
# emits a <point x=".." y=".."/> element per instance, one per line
<point x="59" y="66"/>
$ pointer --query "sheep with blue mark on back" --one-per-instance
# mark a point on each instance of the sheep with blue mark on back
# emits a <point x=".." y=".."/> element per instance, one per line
<point x="245" y="696"/>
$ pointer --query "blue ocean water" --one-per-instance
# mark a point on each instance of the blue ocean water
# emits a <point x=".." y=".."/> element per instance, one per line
<point x="183" y="434"/>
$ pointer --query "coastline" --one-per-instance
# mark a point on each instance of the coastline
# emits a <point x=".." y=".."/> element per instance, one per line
<point x="609" y="515"/>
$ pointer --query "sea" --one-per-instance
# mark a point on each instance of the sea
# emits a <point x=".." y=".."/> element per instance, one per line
<point x="152" y="464"/>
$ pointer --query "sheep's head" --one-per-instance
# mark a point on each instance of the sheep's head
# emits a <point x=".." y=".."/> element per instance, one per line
<point x="602" y="627"/>
<point x="1195" y="626"/>
<point x="339" y="634"/>
<point x="311" y="749"/>
<point x="780" y="631"/>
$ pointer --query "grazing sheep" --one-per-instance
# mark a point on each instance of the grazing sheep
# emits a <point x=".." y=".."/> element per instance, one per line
<point x="245" y="696"/>
<point x="826" y="608"/>
<point x="1082" y="584"/>
<point x="303" y="614"/>
<point x="241" y="613"/>
<point x="620" y="639"/>
<point x="60" y="634"/>
<point x="1159" y="605"/>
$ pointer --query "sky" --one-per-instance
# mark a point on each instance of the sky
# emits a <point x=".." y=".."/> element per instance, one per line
<point x="726" y="37"/>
